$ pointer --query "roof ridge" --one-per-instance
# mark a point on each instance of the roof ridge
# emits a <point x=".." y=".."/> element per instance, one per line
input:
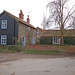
<point x="40" y="28"/>
<point x="19" y="19"/>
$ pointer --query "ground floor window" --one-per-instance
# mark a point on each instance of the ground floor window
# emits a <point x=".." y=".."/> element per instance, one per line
<point x="56" y="40"/>
<point x="33" y="40"/>
<point x="4" y="39"/>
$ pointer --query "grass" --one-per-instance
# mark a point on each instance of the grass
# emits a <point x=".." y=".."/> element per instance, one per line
<point x="17" y="48"/>
<point x="41" y="52"/>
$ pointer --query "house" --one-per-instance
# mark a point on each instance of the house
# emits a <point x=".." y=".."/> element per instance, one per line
<point x="39" y="32"/>
<point x="14" y="29"/>
<point x="54" y="37"/>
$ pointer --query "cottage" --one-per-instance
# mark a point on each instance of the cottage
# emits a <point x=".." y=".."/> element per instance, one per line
<point x="39" y="32"/>
<point x="54" y="37"/>
<point x="14" y="29"/>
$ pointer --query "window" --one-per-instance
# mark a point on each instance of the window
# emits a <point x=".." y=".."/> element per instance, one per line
<point x="38" y="35"/>
<point x="28" y="28"/>
<point x="37" y="31"/>
<point x="34" y="31"/>
<point x="33" y="40"/>
<point x="4" y="24"/>
<point x="56" y="40"/>
<point x="4" y="39"/>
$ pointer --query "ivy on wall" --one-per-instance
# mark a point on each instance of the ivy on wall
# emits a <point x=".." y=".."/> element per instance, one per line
<point x="69" y="40"/>
<point x="46" y="40"/>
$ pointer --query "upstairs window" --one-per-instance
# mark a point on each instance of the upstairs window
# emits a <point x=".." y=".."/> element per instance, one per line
<point x="3" y="39"/>
<point x="34" y="32"/>
<point x="4" y="24"/>
<point x="37" y="31"/>
<point x="28" y="28"/>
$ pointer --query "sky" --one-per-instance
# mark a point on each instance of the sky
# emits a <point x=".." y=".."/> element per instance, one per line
<point x="35" y="7"/>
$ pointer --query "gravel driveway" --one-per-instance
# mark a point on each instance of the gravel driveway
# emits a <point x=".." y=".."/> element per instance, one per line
<point x="39" y="66"/>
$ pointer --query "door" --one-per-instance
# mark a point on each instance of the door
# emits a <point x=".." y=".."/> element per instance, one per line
<point x="23" y="41"/>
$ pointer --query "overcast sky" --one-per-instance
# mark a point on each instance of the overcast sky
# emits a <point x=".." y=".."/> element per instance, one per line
<point x="36" y="7"/>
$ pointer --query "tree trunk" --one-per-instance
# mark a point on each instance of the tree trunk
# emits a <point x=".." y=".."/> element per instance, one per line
<point x="62" y="34"/>
<point x="62" y="38"/>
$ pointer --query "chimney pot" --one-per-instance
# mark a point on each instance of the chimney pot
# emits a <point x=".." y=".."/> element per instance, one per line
<point x="21" y="16"/>
<point x="28" y="20"/>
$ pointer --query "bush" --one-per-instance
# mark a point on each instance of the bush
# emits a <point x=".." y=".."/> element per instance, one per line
<point x="11" y="48"/>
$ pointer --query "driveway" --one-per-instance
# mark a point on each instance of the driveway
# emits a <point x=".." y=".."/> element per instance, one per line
<point x="32" y="66"/>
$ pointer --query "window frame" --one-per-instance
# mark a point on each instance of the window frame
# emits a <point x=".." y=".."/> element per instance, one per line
<point x="33" y="40"/>
<point x="56" y="40"/>
<point x="5" y="40"/>
<point x="37" y="32"/>
<point x="2" y="24"/>
<point x="29" y="28"/>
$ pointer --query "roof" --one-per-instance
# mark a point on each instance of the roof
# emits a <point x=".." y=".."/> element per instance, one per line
<point x="40" y="28"/>
<point x="51" y="33"/>
<point x="18" y="19"/>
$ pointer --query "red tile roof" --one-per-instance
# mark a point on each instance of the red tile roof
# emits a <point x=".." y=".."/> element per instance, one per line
<point x="67" y="33"/>
<point x="18" y="19"/>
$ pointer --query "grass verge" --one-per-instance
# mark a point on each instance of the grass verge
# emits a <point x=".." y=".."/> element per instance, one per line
<point x="41" y="52"/>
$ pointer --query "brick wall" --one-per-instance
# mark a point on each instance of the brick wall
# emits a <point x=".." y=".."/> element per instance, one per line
<point x="66" y="48"/>
<point x="23" y="31"/>
<point x="39" y="33"/>
<point x="41" y="47"/>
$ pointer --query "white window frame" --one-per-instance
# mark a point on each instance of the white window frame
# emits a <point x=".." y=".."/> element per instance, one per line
<point x="4" y="24"/>
<point x="3" y="37"/>
<point x="56" y="40"/>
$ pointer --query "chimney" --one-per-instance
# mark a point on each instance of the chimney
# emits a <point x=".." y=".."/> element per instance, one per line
<point x="28" y="20"/>
<point x="21" y="16"/>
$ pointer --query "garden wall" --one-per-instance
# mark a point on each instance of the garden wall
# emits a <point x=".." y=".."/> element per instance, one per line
<point x="62" y="48"/>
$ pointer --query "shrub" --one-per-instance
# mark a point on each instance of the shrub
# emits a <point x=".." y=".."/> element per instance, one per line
<point x="11" y="48"/>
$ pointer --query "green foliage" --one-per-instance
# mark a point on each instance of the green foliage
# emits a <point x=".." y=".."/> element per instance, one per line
<point x="41" y="52"/>
<point x="46" y="40"/>
<point x="69" y="41"/>
<point x="11" y="48"/>
<point x="14" y="48"/>
<point x="20" y="42"/>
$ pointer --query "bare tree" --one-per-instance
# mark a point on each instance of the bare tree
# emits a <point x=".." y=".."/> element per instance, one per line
<point x="58" y="15"/>
<point x="72" y="24"/>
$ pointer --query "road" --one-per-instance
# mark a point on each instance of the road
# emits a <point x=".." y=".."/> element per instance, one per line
<point x="32" y="66"/>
